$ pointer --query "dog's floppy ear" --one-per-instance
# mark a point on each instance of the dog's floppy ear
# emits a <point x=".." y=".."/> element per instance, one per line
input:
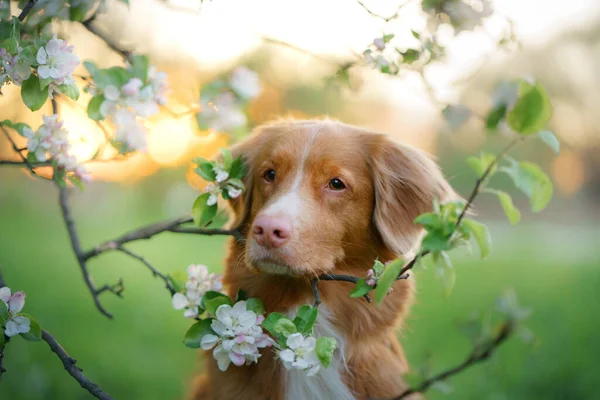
<point x="406" y="182"/>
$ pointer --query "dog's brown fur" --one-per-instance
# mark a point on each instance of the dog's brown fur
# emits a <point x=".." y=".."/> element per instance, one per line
<point x="388" y="186"/>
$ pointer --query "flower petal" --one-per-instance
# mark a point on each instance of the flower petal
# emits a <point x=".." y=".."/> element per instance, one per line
<point x="43" y="71"/>
<point x="287" y="355"/>
<point x="295" y="341"/>
<point x="236" y="358"/>
<point x="41" y="57"/>
<point x="179" y="301"/>
<point x="209" y="341"/>
<point x="5" y="294"/>
<point x="23" y="324"/>
<point x="16" y="302"/>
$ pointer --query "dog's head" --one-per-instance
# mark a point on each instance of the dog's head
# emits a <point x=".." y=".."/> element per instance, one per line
<point x="321" y="192"/>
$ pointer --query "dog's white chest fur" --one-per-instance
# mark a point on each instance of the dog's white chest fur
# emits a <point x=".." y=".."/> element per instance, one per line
<point x="327" y="383"/>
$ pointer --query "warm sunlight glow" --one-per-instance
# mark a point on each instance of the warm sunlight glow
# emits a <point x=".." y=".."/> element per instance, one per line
<point x="568" y="172"/>
<point x="169" y="139"/>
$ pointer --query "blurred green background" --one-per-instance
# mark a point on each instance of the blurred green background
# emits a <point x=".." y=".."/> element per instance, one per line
<point x="549" y="259"/>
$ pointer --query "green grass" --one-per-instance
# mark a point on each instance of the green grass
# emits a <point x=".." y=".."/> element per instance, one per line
<point x="140" y="355"/>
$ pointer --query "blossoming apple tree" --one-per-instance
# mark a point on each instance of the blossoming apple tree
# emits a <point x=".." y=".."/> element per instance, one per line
<point x="238" y="330"/>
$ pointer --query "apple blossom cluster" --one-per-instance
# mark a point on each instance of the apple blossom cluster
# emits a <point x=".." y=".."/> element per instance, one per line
<point x="12" y="68"/>
<point x="50" y="141"/>
<point x="301" y="354"/>
<point x="225" y="176"/>
<point x="12" y="304"/>
<point x="224" y="101"/>
<point x="237" y="336"/>
<point x="198" y="283"/>
<point x="55" y="65"/>
<point x="125" y="96"/>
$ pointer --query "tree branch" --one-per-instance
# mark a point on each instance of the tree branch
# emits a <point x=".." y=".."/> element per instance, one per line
<point x="88" y="24"/>
<point x="24" y="159"/>
<point x="71" y="367"/>
<point x="477" y="355"/>
<point x="27" y="9"/>
<point x="154" y="271"/>
<point x="70" y="224"/>
<point x="385" y="19"/>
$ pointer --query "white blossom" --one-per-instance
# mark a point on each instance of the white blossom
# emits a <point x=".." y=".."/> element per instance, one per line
<point x="467" y="16"/>
<point x="13" y="68"/>
<point x="245" y="83"/>
<point x="199" y="282"/>
<point x="233" y="192"/>
<point x="379" y="43"/>
<point x="238" y="336"/>
<point x="14" y="323"/>
<point x="56" y="60"/>
<point x="300" y="354"/>
<point x="221" y="174"/>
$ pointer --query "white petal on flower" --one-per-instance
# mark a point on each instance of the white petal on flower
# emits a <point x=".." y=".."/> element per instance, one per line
<point x="53" y="47"/>
<point x="300" y="363"/>
<point x="209" y="341"/>
<point x="28" y="132"/>
<point x="16" y="302"/>
<point x="43" y="71"/>
<point x="287" y="355"/>
<point x="218" y="327"/>
<point x="5" y="294"/>
<point x="11" y="329"/>
<point x="212" y="200"/>
<point x="107" y="107"/>
<point x="111" y="93"/>
<point x="309" y="343"/>
<point x="234" y="193"/>
<point x="41" y="57"/>
<point x="379" y="43"/>
<point x="295" y="341"/>
<point x="198" y="271"/>
<point x="132" y="87"/>
<point x="245" y="83"/>
<point x="222" y="358"/>
<point x="236" y="358"/>
<point x="23" y="324"/>
<point x="221" y="174"/>
<point x="191" y="312"/>
<point x="239" y="307"/>
<point x="40" y="155"/>
<point x="179" y="301"/>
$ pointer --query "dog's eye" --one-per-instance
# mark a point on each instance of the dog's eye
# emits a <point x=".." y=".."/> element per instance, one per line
<point x="269" y="175"/>
<point x="336" y="184"/>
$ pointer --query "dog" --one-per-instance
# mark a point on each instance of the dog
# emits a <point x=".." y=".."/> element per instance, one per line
<point x="325" y="197"/>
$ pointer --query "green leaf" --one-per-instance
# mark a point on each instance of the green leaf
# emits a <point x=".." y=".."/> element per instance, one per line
<point x="35" y="331"/>
<point x="269" y="323"/>
<point x="436" y="241"/>
<point x="285" y="327"/>
<point x="378" y="267"/>
<point x="205" y="170"/>
<point x="194" y="335"/>
<point x="77" y="13"/>
<point x="139" y="66"/>
<point x="236" y="183"/>
<point x="387" y="279"/>
<point x="227" y="160"/>
<point x="416" y="35"/>
<point x="11" y="45"/>
<point x="202" y="213"/>
<point x="2" y="338"/>
<point x="45" y="82"/>
<point x="306" y="318"/>
<point x="17" y="126"/>
<point x="512" y="213"/>
<point x="91" y="68"/>
<point x="388" y="38"/>
<point x="324" y="348"/>
<point x="211" y="294"/>
<point x="33" y="97"/>
<point x="429" y="220"/>
<point x="10" y="29"/>
<point x="550" y="139"/>
<point x="3" y="312"/>
<point x="360" y="289"/>
<point x="532" y="181"/>
<point x="480" y="164"/>
<point x="93" y="109"/>
<point x="256" y="305"/>
<point x="482" y="235"/>
<point x="71" y="91"/>
<point x="241" y="295"/>
<point x="118" y="76"/>
<point x="238" y="169"/>
<point x="215" y="302"/>
<point x="409" y="56"/>
<point x="532" y="111"/>
<point x="495" y="116"/>
<point x="28" y="55"/>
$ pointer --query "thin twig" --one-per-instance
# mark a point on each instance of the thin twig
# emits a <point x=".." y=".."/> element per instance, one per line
<point x="2" y="369"/>
<point x="27" y="9"/>
<point x="24" y="164"/>
<point x="477" y="355"/>
<point x="88" y="24"/>
<point x="148" y="231"/>
<point x="325" y="59"/>
<point x="71" y="367"/>
<point x="154" y="271"/>
<point x="315" y="288"/>
<point x="342" y="278"/>
<point x="16" y="149"/>
<point x="386" y="19"/>
<point x="67" y="216"/>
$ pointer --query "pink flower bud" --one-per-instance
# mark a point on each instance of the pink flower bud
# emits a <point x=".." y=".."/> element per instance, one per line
<point x="370" y="273"/>
<point x="379" y="43"/>
<point x="371" y="282"/>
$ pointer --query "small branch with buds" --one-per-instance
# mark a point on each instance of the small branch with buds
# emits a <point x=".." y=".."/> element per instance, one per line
<point x="385" y="19"/>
